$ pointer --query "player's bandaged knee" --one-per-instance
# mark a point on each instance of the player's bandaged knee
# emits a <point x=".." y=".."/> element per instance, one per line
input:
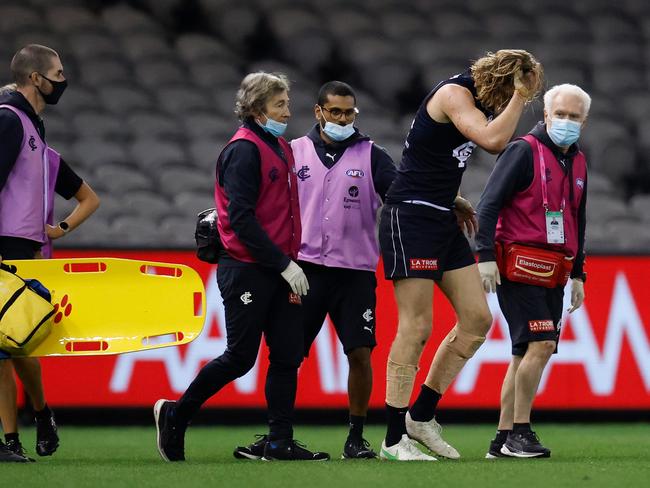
<point x="453" y="353"/>
<point x="462" y="343"/>
<point x="399" y="383"/>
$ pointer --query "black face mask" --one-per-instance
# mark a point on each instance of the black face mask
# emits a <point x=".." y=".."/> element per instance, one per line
<point x="58" y="87"/>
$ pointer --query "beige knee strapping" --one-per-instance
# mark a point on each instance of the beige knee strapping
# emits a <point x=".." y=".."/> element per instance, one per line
<point x="453" y="353"/>
<point x="399" y="383"/>
<point x="464" y="344"/>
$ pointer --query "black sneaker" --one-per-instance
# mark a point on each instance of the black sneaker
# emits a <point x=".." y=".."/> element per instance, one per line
<point x="17" y="448"/>
<point x="253" y="451"/>
<point x="524" y="445"/>
<point x="495" y="450"/>
<point x="8" y="456"/>
<point x="170" y="437"/>
<point x="358" y="449"/>
<point x="291" y="450"/>
<point x="47" y="438"/>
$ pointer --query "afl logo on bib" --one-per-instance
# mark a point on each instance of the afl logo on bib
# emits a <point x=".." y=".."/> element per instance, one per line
<point x="355" y="173"/>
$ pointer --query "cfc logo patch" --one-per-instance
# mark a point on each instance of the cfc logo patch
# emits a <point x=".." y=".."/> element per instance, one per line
<point x="463" y="152"/>
<point x="420" y="264"/>
<point x="367" y="315"/>
<point x="303" y="173"/>
<point x="541" y="326"/>
<point x="246" y="298"/>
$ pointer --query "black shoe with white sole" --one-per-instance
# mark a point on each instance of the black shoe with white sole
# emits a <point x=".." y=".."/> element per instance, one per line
<point x="254" y="451"/>
<point x="494" y="450"/>
<point x="524" y="445"/>
<point x="170" y="437"/>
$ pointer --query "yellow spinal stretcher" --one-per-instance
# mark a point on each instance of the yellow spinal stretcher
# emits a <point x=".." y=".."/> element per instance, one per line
<point x="111" y="306"/>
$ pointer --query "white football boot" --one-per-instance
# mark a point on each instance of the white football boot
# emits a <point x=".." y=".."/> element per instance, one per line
<point x="405" y="450"/>
<point x="428" y="434"/>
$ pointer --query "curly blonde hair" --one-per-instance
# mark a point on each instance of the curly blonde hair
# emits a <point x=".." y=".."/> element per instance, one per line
<point x="494" y="74"/>
<point x="255" y="90"/>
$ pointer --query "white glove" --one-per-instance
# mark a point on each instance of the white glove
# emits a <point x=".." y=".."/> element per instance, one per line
<point x="490" y="276"/>
<point x="296" y="278"/>
<point x="577" y="294"/>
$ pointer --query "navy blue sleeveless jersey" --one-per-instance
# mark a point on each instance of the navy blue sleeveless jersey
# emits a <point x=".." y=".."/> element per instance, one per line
<point x="435" y="155"/>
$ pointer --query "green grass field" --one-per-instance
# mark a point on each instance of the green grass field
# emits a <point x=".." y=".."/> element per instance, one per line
<point x="585" y="455"/>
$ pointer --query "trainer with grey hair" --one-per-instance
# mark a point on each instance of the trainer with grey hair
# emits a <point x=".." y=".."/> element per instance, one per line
<point x="31" y="172"/>
<point x="532" y="219"/>
<point x="259" y="226"/>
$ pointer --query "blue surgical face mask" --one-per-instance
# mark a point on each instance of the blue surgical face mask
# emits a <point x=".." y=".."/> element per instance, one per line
<point x="337" y="132"/>
<point x="564" y="132"/>
<point x="273" y="127"/>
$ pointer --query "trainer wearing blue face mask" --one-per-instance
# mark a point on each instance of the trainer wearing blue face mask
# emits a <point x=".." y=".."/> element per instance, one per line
<point x="260" y="283"/>
<point x="532" y="218"/>
<point x="342" y="178"/>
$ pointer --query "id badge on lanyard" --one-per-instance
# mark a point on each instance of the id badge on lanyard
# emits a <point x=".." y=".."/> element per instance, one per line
<point x="554" y="227"/>
<point x="554" y="220"/>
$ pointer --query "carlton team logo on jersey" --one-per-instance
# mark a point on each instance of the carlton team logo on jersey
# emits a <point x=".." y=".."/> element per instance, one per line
<point x="421" y="264"/>
<point x="463" y="152"/>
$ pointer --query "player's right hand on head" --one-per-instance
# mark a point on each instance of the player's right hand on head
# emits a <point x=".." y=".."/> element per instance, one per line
<point x="490" y="276"/>
<point x="295" y="276"/>
<point x="527" y="84"/>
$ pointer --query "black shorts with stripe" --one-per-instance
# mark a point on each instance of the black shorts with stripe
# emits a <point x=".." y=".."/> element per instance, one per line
<point x="533" y="313"/>
<point x="418" y="241"/>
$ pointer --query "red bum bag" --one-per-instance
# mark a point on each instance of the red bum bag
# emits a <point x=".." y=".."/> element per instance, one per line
<point x="533" y="265"/>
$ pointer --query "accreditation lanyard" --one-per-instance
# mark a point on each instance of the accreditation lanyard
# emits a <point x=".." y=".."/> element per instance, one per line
<point x="554" y="220"/>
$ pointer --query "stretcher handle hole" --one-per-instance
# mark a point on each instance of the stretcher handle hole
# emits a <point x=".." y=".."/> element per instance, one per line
<point x="86" y="346"/>
<point x="150" y="269"/>
<point x="198" y="304"/>
<point x="91" y="267"/>
<point x="157" y="340"/>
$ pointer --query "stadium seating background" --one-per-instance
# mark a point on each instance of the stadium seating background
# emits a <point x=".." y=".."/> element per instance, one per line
<point x="152" y="85"/>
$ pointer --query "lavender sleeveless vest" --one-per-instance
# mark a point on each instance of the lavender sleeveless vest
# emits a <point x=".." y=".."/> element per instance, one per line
<point x="338" y="207"/>
<point x="27" y="199"/>
<point x="523" y="219"/>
